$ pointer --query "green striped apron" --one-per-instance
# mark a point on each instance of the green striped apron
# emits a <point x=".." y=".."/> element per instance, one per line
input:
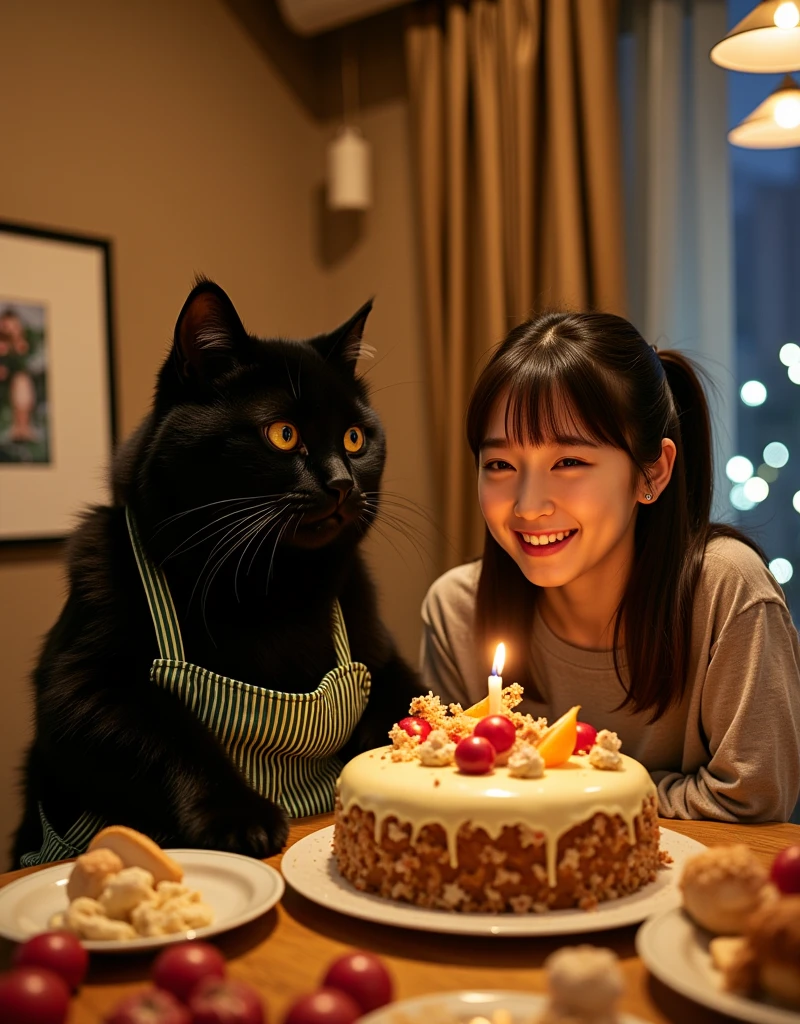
<point x="284" y="744"/>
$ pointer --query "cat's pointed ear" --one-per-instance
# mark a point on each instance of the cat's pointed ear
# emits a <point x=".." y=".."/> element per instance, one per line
<point x="345" y="346"/>
<point x="208" y="333"/>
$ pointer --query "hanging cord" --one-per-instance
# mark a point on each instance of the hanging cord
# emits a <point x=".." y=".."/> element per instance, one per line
<point x="350" y="96"/>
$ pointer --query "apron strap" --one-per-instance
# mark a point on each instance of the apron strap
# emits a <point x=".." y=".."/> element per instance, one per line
<point x="340" y="642"/>
<point x="165" y="620"/>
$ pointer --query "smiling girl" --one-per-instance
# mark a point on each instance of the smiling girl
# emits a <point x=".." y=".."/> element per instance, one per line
<point x="606" y="579"/>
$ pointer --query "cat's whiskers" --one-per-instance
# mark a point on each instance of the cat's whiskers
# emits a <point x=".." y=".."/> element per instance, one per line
<point x="233" y="531"/>
<point x="215" y="522"/>
<point x="275" y="548"/>
<point x="237" y="540"/>
<point x="255" y="553"/>
<point x="222" y="501"/>
<point x="394" y="497"/>
<point x="291" y="382"/>
<point x="393" y="514"/>
<point x="382" y="533"/>
<point x="254" y="532"/>
<point x="409" y="531"/>
<point x="406" y="504"/>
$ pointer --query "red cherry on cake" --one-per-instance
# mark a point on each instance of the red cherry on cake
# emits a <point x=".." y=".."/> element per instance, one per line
<point x="498" y="730"/>
<point x="785" y="872"/>
<point x="475" y="755"/>
<point x="415" y="727"/>
<point x="585" y="739"/>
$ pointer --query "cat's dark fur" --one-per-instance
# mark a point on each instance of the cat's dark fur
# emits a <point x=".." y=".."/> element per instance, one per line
<point x="110" y="741"/>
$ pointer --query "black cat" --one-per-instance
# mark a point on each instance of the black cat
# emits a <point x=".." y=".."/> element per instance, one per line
<point x="252" y="482"/>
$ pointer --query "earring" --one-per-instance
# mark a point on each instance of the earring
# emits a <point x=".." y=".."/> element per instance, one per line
<point x="648" y="497"/>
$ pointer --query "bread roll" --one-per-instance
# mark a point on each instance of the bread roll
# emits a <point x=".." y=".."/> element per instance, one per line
<point x="91" y="872"/>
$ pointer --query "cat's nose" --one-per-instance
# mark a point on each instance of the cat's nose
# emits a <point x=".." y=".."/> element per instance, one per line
<point x="342" y="486"/>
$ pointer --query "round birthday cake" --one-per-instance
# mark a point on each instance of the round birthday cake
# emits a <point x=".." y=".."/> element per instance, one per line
<point x="472" y="812"/>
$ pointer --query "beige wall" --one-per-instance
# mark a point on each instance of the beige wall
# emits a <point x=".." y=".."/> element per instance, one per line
<point x="194" y="140"/>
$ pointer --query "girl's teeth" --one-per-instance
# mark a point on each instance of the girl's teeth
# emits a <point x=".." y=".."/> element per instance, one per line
<point x="535" y="540"/>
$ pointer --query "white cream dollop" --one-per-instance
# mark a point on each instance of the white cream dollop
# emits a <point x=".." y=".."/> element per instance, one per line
<point x="605" y="752"/>
<point x="526" y="762"/>
<point x="437" y="750"/>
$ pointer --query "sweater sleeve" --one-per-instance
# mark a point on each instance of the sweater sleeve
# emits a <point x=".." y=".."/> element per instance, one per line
<point x="750" y="724"/>
<point x="447" y="663"/>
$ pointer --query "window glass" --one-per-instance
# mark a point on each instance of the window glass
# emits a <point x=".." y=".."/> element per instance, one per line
<point x="764" y="478"/>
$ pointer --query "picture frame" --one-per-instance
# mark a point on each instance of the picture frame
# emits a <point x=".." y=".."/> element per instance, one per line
<point x="57" y="395"/>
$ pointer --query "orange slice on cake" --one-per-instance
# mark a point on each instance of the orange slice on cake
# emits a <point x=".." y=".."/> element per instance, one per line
<point x="479" y="710"/>
<point x="558" y="742"/>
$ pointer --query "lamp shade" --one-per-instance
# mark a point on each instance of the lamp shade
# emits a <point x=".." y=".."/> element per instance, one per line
<point x="349" y="171"/>
<point x="774" y="124"/>
<point x="768" y="39"/>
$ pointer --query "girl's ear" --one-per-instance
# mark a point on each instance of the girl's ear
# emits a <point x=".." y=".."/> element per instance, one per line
<point x="660" y="473"/>
<point x="345" y="346"/>
<point x="208" y="334"/>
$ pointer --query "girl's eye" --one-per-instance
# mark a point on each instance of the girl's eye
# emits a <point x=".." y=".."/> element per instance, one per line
<point x="282" y="435"/>
<point x="354" y="439"/>
<point x="569" y="463"/>
<point x="497" y="465"/>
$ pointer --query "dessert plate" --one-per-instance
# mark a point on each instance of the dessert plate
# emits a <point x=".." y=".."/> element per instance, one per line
<point x="455" y="1007"/>
<point x="238" y="889"/>
<point x="310" y="868"/>
<point x="675" y="950"/>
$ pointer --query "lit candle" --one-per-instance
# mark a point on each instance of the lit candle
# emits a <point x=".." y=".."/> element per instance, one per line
<point x="496" y="680"/>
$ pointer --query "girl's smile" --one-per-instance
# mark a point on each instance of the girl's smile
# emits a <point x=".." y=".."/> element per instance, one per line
<point x="539" y="545"/>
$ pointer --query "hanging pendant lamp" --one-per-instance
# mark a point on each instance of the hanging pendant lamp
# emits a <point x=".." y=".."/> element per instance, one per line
<point x="774" y="124"/>
<point x="768" y="39"/>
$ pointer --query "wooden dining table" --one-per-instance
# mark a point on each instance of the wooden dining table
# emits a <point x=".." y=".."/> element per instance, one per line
<point x="285" y="953"/>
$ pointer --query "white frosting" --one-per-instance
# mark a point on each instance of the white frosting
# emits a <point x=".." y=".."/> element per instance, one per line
<point x="553" y="804"/>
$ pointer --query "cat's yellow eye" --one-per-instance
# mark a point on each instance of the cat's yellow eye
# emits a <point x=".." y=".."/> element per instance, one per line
<point x="354" y="439"/>
<point x="283" y="435"/>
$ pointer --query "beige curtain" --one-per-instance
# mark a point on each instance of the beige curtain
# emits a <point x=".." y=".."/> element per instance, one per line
<point x="516" y="139"/>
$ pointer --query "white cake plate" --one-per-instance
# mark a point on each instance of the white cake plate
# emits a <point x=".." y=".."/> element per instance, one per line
<point x="309" y="867"/>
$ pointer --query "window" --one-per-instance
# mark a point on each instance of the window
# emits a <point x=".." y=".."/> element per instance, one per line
<point x="764" y="475"/>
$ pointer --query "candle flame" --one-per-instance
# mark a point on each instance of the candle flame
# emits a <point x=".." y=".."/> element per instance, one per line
<point x="499" y="660"/>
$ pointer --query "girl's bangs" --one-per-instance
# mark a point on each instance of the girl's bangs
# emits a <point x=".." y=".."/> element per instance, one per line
<point x="555" y="404"/>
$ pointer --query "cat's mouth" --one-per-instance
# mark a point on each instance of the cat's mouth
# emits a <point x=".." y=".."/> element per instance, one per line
<point x="317" y="530"/>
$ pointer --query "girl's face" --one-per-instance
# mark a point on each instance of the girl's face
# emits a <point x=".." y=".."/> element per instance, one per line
<point x="561" y="510"/>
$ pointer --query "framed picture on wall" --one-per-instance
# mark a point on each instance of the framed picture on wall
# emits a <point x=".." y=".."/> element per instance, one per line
<point x="57" y="422"/>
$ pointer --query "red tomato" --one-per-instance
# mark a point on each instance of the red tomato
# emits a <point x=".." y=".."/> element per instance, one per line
<point x="179" y="968"/>
<point x="153" y="1006"/>
<point x="325" y="1006"/>
<point x="60" y="952"/>
<point x="785" y="872"/>
<point x="498" y="730"/>
<point x="415" y="727"/>
<point x="475" y="755"/>
<point x="585" y="737"/>
<point x="225" y="1001"/>
<point x="362" y="976"/>
<point x="33" y="995"/>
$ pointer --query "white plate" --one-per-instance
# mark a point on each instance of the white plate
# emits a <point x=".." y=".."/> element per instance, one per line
<point x="310" y="868"/>
<point x="238" y="889"/>
<point x="676" y="952"/>
<point x="524" y="1008"/>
